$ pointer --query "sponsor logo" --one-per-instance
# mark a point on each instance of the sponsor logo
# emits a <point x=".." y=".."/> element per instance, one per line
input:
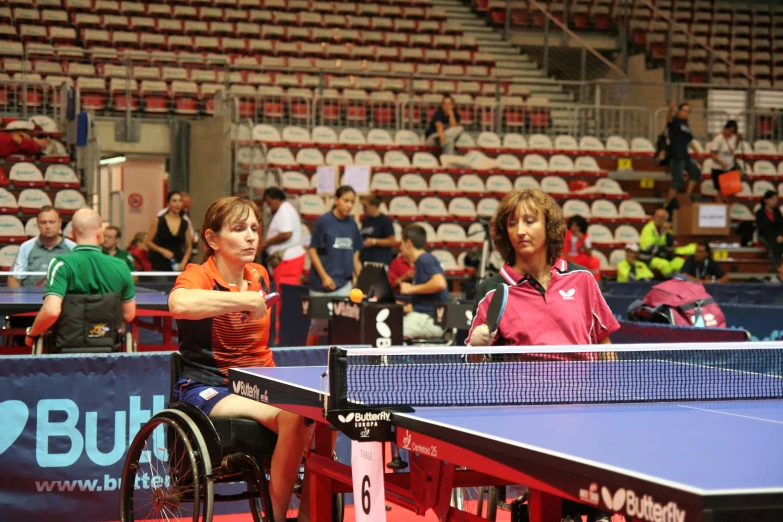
<point x="384" y="341"/>
<point x="349" y="310"/>
<point x="365" y="420"/>
<point x="251" y="392"/>
<point x="440" y="311"/>
<point x="469" y="317"/>
<point x="305" y="307"/>
<point x="63" y="433"/>
<point x="408" y="444"/>
<point x="590" y="495"/>
<point x="364" y="433"/>
<point x="641" y="507"/>
<point x="98" y="331"/>
<point x="568" y="295"/>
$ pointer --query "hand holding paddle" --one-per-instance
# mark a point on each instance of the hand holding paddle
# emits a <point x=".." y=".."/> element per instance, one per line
<point x="485" y="334"/>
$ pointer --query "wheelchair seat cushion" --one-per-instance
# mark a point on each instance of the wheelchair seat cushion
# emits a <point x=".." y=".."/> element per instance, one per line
<point x="244" y="435"/>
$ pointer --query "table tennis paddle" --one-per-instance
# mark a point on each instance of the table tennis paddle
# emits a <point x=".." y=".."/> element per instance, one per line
<point x="497" y="307"/>
<point x="271" y="299"/>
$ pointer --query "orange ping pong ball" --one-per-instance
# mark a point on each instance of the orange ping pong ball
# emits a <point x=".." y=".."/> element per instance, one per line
<point x="356" y="295"/>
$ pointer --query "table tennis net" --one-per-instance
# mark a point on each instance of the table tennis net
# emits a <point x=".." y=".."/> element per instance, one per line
<point x="467" y="377"/>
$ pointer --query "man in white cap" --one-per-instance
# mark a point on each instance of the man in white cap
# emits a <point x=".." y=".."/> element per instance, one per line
<point x="631" y="268"/>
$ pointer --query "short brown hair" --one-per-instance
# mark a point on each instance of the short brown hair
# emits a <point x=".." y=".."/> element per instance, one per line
<point x="47" y="208"/>
<point x="224" y="209"/>
<point x="116" y="229"/>
<point x="553" y="214"/>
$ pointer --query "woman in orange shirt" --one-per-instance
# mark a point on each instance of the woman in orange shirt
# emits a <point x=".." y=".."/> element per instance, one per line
<point x="223" y="323"/>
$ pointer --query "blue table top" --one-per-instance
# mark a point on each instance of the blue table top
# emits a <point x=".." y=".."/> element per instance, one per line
<point x="31" y="298"/>
<point x="708" y="448"/>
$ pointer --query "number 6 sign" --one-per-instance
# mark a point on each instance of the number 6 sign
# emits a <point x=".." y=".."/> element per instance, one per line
<point x="367" y="472"/>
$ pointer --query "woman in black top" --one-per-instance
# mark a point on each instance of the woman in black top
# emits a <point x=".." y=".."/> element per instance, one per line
<point x="769" y="221"/>
<point x="168" y="240"/>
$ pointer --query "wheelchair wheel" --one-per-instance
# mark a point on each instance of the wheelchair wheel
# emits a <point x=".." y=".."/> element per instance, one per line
<point x="162" y="478"/>
<point x="479" y="501"/>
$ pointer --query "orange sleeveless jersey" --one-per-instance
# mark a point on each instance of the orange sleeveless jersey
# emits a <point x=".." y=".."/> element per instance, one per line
<point x="211" y="346"/>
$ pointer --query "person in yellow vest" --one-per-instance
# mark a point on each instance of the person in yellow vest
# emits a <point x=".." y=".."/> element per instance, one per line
<point x="631" y="268"/>
<point x="656" y="244"/>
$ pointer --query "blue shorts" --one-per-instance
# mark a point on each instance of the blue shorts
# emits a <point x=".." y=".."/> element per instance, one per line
<point x="199" y="395"/>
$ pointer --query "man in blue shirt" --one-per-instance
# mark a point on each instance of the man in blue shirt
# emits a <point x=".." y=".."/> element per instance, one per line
<point x="428" y="289"/>
<point x="378" y="233"/>
<point x="444" y="128"/>
<point x="35" y="254"/>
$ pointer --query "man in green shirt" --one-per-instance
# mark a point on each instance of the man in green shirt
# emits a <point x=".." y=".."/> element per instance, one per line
<point x="86" y="271"/>
<point x="111" y="242"/>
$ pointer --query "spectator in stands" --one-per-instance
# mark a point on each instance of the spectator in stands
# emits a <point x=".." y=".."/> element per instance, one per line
<point x="578" y="247"/>
<point x="701" y="268"/>
<point x="400" y="271"/>
<point x="283" y="244"/>
<point x="721" y="150"/>
<point x="334" y="255"/>
<point x="169" y="239"/>
<point x="111" y="241"/>
<point x="429" y="286"/>
<point x="378" y="233"/>
<point x="16" y="138"/>
<point x="137" y="248"/>
<point x="35" y="254"/>
<point x="631" y="268"/>
<point x="49" y="146"/>
<point x="84" y="271"/>
<point x="770" y="227"/>
<point x="680" y="160"/>
<point x="444" y="128"/>
<point x="657" y="245"/>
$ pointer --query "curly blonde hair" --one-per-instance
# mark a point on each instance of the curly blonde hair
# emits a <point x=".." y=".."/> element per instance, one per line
<point x="553" y="215"/>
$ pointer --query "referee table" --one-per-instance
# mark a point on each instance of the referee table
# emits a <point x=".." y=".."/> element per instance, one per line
<point x="658" y="433"/>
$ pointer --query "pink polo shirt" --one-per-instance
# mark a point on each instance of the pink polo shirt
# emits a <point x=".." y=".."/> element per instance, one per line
<point x="571" y="311"/>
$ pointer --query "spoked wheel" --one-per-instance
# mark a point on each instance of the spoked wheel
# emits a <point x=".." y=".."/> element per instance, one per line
<point x="162" y="478"/>
<point x="479" y="501"/>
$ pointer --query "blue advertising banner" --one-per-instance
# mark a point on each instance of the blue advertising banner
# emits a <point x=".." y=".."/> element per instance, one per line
<point x="66" y="425"/>
<point x="66" y="422"/>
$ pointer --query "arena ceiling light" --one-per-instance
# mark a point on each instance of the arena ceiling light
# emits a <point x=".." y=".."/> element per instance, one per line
<point x="112" y="161"/>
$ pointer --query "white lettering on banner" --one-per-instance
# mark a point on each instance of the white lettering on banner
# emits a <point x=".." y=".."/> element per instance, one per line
<point x="590" y="495"/>
<point x="384" y="341"/>
<point x="349" y="310"/>
<point x="82" y="435"/>
<point x="368" y="484"/>
<point x="712" y="216"/>
<point x="641" y="507"/>
<point x="408" y="444"/>
<point x="251" y="392"/>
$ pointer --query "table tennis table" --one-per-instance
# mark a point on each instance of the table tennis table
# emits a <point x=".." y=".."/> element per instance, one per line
<point x="149" y="303"/>
<point x="665" y="460"/>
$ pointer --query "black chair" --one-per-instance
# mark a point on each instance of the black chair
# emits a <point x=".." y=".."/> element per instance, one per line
<point x="88" y="324"/>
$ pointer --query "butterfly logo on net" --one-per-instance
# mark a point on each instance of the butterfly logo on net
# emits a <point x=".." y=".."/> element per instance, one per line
<point x="568" y="295"/>
<point x="345" y="420"/>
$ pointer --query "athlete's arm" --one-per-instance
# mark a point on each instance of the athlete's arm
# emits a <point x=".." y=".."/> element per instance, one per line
<point x="129" y="311"/>
<point x="195" y="304"/>
<point x="47" y="315"/>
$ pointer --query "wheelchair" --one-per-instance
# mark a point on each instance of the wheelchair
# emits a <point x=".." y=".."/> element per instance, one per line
<point x="180" y="454"/>
<point x="88" y="324"/>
